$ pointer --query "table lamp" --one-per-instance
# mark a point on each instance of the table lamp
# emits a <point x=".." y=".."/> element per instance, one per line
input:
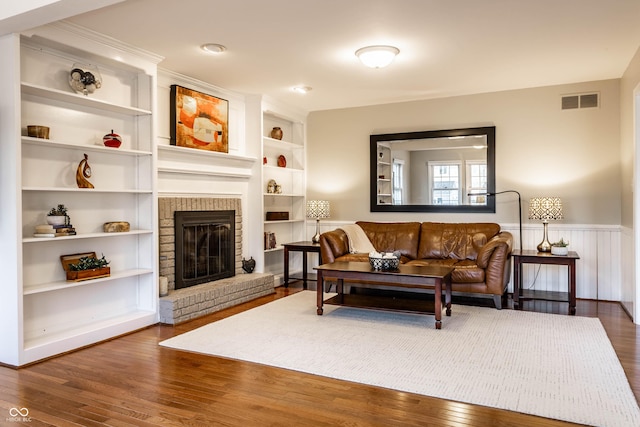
<point x="318" y="209"/>
<point x="545" y="209"/>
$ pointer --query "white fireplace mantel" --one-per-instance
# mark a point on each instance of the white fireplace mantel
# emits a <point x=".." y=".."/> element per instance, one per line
<point x="180" y="160"/>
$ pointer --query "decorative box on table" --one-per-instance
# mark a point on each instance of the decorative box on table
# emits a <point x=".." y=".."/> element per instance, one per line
<point x="77" y="276"/>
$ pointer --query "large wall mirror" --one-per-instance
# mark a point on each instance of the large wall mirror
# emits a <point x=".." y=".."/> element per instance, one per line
<point x="433" y="171"/>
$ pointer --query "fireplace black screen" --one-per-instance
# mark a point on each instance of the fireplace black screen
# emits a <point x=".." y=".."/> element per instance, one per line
<point x="205" y="246"/>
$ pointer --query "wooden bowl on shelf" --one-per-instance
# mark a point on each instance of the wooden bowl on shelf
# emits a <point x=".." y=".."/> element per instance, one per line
<point x="37" y="131"/>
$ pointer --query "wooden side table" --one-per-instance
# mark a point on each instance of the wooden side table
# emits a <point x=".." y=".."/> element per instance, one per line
<point x="305" y="248"/>
<point x="534" y="257"/>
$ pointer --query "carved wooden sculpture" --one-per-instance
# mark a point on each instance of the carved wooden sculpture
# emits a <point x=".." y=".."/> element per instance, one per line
<point x="84" y="172"/>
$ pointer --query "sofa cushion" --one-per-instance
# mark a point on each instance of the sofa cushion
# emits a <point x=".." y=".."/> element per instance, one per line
<point x="457" y="241"/>
<point x="353" y="258"/>
<point x="393" y="236"/>
<point x="466" y="271"/>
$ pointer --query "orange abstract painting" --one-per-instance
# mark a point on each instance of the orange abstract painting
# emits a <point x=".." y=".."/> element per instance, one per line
<point x="198" y="120"/>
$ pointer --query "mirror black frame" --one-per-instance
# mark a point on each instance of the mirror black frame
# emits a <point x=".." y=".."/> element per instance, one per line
<point x="488" y="131"/>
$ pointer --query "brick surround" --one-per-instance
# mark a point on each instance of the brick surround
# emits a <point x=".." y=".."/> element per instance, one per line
<point x="186" y="304"/>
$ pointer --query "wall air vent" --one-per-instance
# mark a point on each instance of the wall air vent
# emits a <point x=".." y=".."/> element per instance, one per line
<point x="585" y="100"/>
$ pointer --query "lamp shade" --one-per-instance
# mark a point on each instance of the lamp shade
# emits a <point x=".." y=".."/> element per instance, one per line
<point x="318" y="209"/>
<point x="377" y="56"/>
<point x="545" y="208"/>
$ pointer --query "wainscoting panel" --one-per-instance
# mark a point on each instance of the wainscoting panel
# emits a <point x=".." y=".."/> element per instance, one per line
<point x="598" y="271"/>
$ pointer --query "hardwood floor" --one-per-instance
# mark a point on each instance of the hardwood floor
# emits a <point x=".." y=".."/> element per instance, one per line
<point x="133" y="381"/>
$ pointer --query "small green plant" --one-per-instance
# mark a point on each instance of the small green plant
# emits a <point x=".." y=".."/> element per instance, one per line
<point x="89" y="263"/>
<point x="560" y="243"/>
<point x="59" y="210"/>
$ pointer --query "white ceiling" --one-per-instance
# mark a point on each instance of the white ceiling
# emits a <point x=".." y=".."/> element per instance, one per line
<point x="447" y="47"/>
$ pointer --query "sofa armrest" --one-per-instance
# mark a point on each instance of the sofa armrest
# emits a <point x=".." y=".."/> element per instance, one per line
<point x="495" y="258"/>
<point x="333" y="244"/>
<point x="503" y="238"/>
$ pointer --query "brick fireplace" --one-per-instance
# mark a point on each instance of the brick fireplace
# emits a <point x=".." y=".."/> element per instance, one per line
<point x="194" y="301"/>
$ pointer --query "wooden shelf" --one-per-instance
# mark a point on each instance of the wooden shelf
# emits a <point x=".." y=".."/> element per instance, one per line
<point x="84" y="190"/>
<point x="57" y="286"/>
<point x="85" y="236"/>
<point x="81" y="100"/>
<point x="406" y="305"/>
<point x="58" y="338"/>
<point x="529" y="294"/>
<point x="278" y="144"/>
<point x="95" y="148"/>
<point x="288" y="221"/>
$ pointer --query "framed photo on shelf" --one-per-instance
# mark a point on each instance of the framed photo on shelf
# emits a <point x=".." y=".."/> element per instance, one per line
<point x="199" y="120"/>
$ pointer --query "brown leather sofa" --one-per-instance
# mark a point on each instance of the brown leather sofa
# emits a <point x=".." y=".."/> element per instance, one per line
<point x="479" y="252"/>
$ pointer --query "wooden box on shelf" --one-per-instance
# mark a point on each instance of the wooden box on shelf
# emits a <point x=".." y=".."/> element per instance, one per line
<point x="77" y="276"/>
<point x="277" y="216"/>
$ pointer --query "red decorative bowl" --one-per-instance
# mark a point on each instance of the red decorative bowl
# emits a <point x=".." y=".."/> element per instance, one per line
<point x="112" y="140"/>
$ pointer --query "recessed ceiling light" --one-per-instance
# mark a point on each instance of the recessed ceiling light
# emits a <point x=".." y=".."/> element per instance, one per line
<point x="302" y="89"/>
<point x="213" y="48"/>
<point x="377" y="56"/>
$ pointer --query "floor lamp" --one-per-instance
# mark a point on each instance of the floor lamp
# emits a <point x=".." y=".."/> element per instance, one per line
<point x="519" y="206"/>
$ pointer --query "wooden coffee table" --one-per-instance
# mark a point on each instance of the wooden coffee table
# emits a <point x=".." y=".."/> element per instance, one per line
<point x="407" y="277"/>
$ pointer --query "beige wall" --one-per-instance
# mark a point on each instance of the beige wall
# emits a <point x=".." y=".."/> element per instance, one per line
<point x="630" y="80"/>
<point x="540" y="150"/>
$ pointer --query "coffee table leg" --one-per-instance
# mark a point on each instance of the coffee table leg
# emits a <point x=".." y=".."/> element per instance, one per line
<point x="438" y="303"/>
<point x="447" y="294"/>
<point x="319" y="293"/>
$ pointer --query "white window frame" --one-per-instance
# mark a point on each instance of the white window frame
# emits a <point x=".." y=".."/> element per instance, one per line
<point x="397" y="182"/>
<point x="469" y="189"/>
<point x="431" y="176"/>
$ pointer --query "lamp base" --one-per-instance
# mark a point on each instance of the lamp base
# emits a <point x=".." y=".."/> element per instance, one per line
<point x="316" y="237"/>
<point x="545" y="245"/>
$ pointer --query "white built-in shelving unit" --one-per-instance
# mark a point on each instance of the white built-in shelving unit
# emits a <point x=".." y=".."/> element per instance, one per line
<point x="384" y="174"/>
<point x="48" y="314"/>
<point x="292" y="181"/>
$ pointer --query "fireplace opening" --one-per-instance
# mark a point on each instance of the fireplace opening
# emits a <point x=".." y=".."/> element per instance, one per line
<point x="205" y="246"/>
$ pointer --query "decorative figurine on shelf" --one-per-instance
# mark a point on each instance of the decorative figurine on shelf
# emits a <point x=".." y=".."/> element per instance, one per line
<point x="112" y="140"/>
<point x="85" y="78"/>
<point x="271" y="186"/>
<point x="84" y="172"/>
<point x="276" y="133"/>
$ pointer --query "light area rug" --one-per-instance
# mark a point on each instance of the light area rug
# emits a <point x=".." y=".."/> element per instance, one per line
<point x="554" y="366"/>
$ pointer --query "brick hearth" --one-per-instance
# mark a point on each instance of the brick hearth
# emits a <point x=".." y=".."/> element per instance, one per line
<point x="188" y="303"/>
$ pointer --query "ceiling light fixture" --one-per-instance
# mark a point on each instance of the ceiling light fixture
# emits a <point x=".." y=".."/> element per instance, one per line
<point x="302" y="89"/>
<point x="213" y="48"/>
<point x="377" y="56"/>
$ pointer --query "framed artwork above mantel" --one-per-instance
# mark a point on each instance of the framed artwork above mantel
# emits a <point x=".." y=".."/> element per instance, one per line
<point x="199" y="120"/>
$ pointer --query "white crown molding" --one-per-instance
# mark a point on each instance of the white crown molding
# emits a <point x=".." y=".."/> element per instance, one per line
<point x="69" y="31"/>
<point x="168" y="77"/>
